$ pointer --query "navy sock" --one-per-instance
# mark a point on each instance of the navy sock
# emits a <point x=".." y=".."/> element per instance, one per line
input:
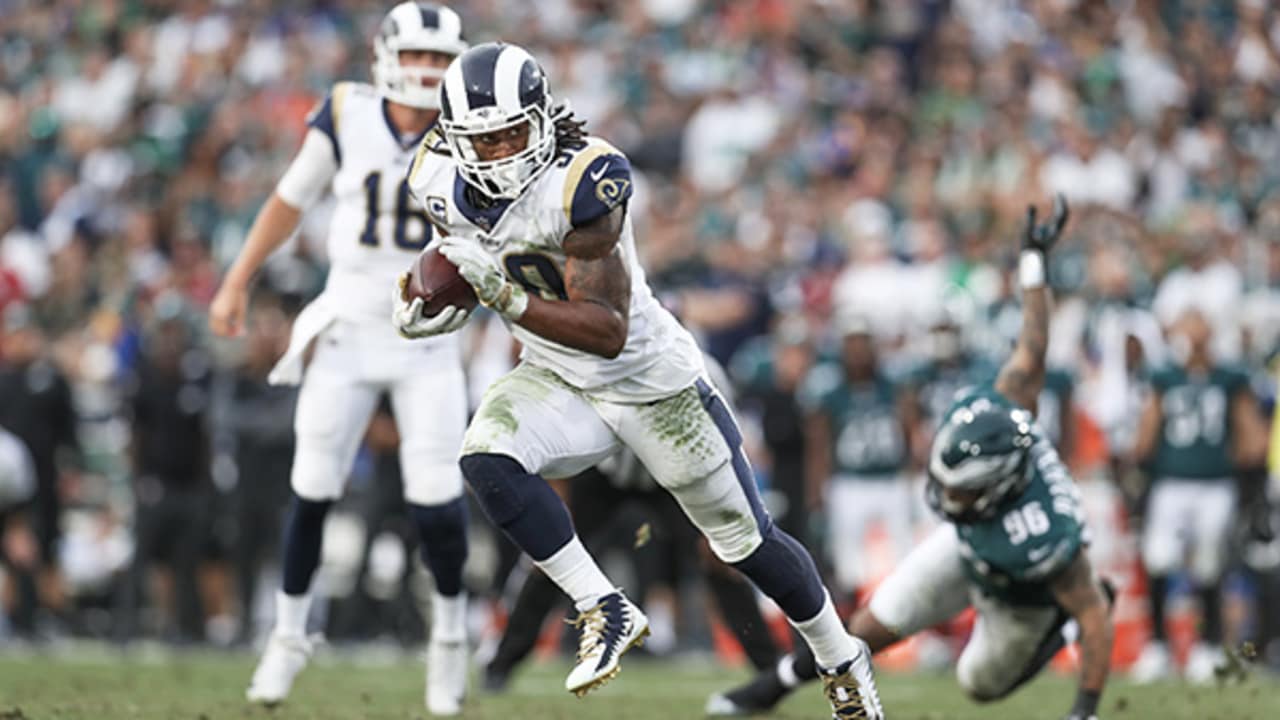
<point x="442" y="532"/>
<point x="520" y="503"/>
<point x="784" y="571"/>
<point x="303" y="532"/>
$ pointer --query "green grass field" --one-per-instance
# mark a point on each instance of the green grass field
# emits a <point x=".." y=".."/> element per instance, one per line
<point x="96" y="685"/>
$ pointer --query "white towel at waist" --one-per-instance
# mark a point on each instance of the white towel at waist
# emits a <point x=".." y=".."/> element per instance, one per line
<point x="313" y="320"/>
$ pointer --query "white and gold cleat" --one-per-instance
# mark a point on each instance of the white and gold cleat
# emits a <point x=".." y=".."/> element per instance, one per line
<point x="608" y="630"/>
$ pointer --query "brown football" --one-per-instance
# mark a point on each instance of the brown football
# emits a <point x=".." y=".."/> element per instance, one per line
<point x="436" y="280"/>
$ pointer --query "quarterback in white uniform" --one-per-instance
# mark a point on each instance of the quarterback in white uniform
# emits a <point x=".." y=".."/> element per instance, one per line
<point x="535" y="217"/>
<point x="360" y="142"/>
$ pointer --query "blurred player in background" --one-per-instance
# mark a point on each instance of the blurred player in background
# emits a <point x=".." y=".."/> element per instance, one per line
<point x="857" y="433"/>
<point x="1199" y="428"/>
<point x="360" y="142"/>
<point x="18" y="551"/>
<point x="1014" y="545"/>
<point x="537" y="218"/>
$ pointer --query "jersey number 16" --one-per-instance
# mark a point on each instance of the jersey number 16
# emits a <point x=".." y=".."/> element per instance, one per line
<point x="405" y="211"/>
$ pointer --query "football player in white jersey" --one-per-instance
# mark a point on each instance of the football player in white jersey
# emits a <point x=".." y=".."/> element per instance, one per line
<point x="535" y="217"/>
<point x="360" y="142"/>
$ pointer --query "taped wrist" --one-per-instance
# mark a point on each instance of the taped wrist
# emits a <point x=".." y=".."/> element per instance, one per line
<point x="511" y="302"/>
<point x="1031" y="269"/>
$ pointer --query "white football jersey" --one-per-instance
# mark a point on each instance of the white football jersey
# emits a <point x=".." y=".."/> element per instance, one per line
<point x="526" y="237"/>
<point x="376" y="229"/>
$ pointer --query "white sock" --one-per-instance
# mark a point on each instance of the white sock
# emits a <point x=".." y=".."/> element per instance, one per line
<point x="577" y="574"/>
<point x="449" y="617"/>
<point x="291" y="613"/>
<point x="826" y="636"/>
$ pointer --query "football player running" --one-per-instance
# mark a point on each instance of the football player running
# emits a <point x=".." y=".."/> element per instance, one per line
<point x="536" y="217"/>
<point x="1013" y="544"/>
<point x="360" y="142"/>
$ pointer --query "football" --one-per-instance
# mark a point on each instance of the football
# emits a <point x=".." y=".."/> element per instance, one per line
<point x="437" y="281"/>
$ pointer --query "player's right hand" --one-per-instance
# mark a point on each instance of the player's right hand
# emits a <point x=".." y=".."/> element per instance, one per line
<point x="226" y="312"/>
<point x="407" y="317"/>
<point x="1041" y="236"/>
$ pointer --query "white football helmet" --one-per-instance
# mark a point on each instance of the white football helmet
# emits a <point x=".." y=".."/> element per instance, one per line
<point x="414" y="26"/>
<point x="491" y="87"/>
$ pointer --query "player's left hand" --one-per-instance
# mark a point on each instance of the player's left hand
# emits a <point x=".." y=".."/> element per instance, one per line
<point x="406" y="315"/>
<point x="480" y="269"/>
<point x="1041" y="236"/>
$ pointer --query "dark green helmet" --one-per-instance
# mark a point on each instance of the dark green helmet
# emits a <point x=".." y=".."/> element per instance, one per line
<point x="980" y="454"/>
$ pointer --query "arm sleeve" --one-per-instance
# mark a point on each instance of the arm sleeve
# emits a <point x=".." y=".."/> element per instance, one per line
<point x="310" y="172"/>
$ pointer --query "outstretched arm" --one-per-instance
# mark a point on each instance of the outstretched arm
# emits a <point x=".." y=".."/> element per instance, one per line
<point x="1022" y="376"/>
<point x="1079" y="593"/>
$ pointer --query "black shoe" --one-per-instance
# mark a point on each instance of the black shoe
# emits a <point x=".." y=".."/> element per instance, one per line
<point x="496" y="679"/>
<point x="759" y="695"/>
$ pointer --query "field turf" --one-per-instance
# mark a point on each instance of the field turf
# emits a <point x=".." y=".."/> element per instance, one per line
<point x="96" y="684"/>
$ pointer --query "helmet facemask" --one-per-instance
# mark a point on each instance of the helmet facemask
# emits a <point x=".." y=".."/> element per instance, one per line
<point x="508" y="177"/>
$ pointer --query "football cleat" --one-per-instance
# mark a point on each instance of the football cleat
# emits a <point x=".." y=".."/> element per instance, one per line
<point x="282" y="660"/>
<point x="447" y="665"/>
<point x="1203" y="663"/>
<point x="608" y="630"/>
<point x="757" y="696"/>
<point x="851" y="689"/>
<point x="1153" y="664"/>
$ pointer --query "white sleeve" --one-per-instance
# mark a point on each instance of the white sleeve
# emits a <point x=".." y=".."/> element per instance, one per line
<point x="310" y="172"/>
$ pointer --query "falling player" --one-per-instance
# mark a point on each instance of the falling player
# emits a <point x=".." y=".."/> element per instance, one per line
<point x="360" y="142"/>
<point x="1013" y="545"/>
<point x="536" y="215"/>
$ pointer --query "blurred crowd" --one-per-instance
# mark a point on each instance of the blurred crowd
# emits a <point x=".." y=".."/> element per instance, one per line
<point x="801" y="163"/>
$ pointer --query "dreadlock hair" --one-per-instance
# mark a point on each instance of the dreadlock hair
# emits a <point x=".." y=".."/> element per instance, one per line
<point x="571" y="132"/>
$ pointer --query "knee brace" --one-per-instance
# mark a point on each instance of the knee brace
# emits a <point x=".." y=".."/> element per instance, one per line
<point x="785" y="571"/>
<point x="442" y="533"/>
<point x="520" y="503"/>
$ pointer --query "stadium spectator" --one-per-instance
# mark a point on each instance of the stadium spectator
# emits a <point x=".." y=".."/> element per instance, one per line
<point x="262" y="424"/>
<point x="38" y="409"/>
<point x="171" y="457"/>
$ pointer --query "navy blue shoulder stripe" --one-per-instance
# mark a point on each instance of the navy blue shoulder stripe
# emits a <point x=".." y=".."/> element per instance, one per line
<point x="322" y="119"/>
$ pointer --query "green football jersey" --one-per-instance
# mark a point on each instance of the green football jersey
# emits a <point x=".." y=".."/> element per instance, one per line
<point x="867" y="437"/>
<point x="1032" y="538"/>
<point x="1195" y="424"/>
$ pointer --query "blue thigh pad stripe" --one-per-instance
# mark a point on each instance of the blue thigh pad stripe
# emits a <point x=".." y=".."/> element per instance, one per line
<point x="733" y="436"/>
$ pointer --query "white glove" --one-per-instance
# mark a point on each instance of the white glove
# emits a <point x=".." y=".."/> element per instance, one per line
<point x="408" y="319"/>
<point x="480" y="269"/>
